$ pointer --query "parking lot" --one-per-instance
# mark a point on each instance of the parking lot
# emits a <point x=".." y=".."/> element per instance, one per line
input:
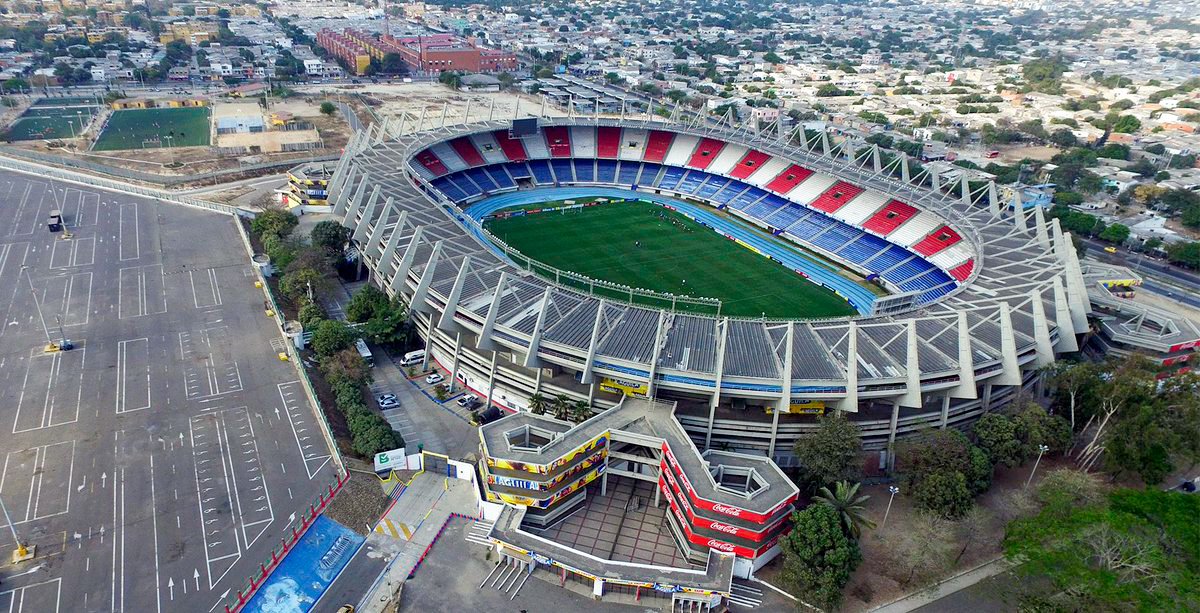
<point x="156" y="463"/>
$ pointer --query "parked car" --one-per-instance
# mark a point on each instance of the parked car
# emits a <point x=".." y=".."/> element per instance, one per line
<point x="467" y="399"/>
<point x="490" y="415"/>
<point x="388" y="401"/>
<point x="434" y="378"/>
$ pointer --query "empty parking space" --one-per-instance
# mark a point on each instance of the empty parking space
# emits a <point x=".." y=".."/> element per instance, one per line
<point x="142" y="291"/>
<point x="43" y="597"/>
<point x="129" y="232"/>
<point x="208" y="369"/>
<point x="206" y="291"/>
<point x="36" y="482"/>
<point x="26" y="209"/>
<point x="73" y="253"/>
<point x="133" y="375"/>
<point x="80" y="208"/>
<point x="66" y="299"/>
<point x="52" y="390"/>
<point x="309" y="440"/>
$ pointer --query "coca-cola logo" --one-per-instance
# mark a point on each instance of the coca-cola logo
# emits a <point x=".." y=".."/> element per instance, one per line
<point x="726" y="528"/>
<point x="719" y="545"/>
<point x="724" y="510"/>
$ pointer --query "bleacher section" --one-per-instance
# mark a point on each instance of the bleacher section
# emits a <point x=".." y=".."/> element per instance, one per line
<point x="583" y="142"/>
<point x="681" y="150"/>
<point x="937" y="240"/>
<point x="836" y="197"/>
<point x="513" y="149"/>
<point x="657" y="145"/>
<point x="558" y="141"/>
<point x="465" y="150"/>
<point x="890" y="217"/>
<point x="921" y="253"/>
<point x="705" y="153"/>
<point x="486" y="144"/>
<point x="787" y="180"/>
<point x="632" y="144"/>
<point x="608" y="142"/>
<point x="752" y="161"/>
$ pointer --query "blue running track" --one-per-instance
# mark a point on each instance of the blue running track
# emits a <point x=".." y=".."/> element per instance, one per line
<point x="816" y="270"/>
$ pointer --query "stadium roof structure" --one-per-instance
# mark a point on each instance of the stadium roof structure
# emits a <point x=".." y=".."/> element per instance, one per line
<point x="1024" y="301"/>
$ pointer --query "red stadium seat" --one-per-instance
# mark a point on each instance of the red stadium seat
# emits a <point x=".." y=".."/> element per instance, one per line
<point x="890" y="217"/>
<point x="608" y="142"/>
<point x="836" y="197"/>
<point x="558" y="140"/>
<point x="657" y="144"/>
<point x="963" y="271"/>
<point x="467" y="151"/>
<point x="431" y="161"/>
<point x="512" y="148"/>
<point x="705" y="153"/>
<point x="937" y="240"/>
<point x="749" y="164"/>
<point x="787" y="180"/>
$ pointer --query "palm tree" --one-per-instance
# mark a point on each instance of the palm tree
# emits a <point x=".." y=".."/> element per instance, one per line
<point x="537" y="404"/>
<point x="846" y="501"/>
<point x="580" y="411"/>
<point x="562" y="407"/>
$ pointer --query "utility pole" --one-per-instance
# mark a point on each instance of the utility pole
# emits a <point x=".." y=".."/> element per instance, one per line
<point x="51" y="346"/>
<point x="22" y="552"/>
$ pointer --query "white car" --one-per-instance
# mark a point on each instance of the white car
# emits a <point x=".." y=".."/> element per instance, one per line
<point x="388" y="401"/>
<point x="434" y="378"/>
<point x="467" y="399"/>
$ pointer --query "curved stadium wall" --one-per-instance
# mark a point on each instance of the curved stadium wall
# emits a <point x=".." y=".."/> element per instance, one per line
<point x="983" y="293"/>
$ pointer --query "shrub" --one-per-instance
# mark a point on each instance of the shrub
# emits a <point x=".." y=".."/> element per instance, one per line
<point x="276" y="222"/>
<point x="311" y="314"/>
<point x="330" y="337"/>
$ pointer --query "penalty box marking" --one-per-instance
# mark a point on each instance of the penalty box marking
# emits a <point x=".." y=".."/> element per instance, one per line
<point x="31" y="489"/>
<point x="56" y="380"/>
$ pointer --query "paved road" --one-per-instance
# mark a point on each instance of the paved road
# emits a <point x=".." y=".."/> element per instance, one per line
<point x="1143" y="265"/>
<point x="155" y="465"/>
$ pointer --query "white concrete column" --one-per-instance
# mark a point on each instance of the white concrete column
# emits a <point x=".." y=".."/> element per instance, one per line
<point x="945" y="420"/>
<point x="716" y="396"/>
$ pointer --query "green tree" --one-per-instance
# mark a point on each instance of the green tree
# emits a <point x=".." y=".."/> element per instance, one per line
<point x="346" y="365"/>
<point x="944" y="493"/>
<point x="1115" y="233"/>
<point x="276" y="222"/>
<point x="310" y="314"/>
<point x="390" y="325"/>
<point x="829" y="454"/>
<point x="332" y="336"/>
<point x="366" y="303"/>
<point x="818" y="557"/>
<point x="996" y="435"/>
<point x="538" y="404"/>
<point x="328" y="109"/>
<point x="330" y="235"/>
<point x="1185" y="253"/>
<point x="845" y="500"/>
<point x="296" y="284"/>
<point x="1126" y="124"/>
<point x="1063" y="138"/>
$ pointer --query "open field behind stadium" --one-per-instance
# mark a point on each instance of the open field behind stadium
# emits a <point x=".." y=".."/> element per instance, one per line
<point x="148" y="128"/>
<point x="646" y="246"/>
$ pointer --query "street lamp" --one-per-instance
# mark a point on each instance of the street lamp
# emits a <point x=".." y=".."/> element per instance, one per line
<point x="893" y="490"/>
<point x="22" y="552"/>
<point x="1041" y="449"/>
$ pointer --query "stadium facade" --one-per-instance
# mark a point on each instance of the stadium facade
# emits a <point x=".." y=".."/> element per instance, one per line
<point x="981" y="294"/>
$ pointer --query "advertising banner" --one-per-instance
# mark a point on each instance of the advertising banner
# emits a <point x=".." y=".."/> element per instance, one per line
<point x="626" y="387"/>
<point x="388" y="461"/>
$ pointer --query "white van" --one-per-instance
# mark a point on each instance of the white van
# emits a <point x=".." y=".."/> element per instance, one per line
<point x="412" y="358"/>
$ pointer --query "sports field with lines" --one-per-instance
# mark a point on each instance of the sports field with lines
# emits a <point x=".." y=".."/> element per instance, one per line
<point x="150" y="128"/>
<point x="643" y="245"/>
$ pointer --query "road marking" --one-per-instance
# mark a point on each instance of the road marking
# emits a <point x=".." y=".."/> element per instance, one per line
<point x="141" y="353"/>
<point x="128" y="217"/>
<point x="154" y="526"/>
<point x="308" y="440"/>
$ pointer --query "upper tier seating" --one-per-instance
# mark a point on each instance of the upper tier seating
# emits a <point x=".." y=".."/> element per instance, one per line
<point x="787" y="180"/>
<point x="937" y="240"/>
<point x="706" y="151"/>
<point x="633" y="144"/>
<point x="859" y="209"/>
<point x="724" y="162"/>
<point x="752" y="161"/>
<point x="657" y="145"/>
<point x="446" y="154"/>
<point x="583" y="141"/>
<point x="466" y="150"/>
<point x="558" y="141"/>
<point x="513" y="149"/>
<point x="836" y="197"/>
<point x="485" y="143"/>
<point x="891" y="216"/>
<point x="681" y="150"/>
<point x="431" y="162"/>
<point x="608" y="142"/>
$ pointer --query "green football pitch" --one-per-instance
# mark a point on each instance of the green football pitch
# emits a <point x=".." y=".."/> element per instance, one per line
<point x="150" y="128"/>
<point x="643" y="245"/>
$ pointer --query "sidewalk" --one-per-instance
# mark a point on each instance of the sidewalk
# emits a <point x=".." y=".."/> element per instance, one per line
<point x="421" y="511"/>
<point x="946" y="587"/>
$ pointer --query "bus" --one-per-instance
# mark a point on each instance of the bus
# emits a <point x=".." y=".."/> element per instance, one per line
<point x="364" y="352"/>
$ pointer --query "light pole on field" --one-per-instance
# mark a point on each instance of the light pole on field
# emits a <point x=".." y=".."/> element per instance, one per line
<point x="893" y="490"/>
<point x="1041" y="449"/>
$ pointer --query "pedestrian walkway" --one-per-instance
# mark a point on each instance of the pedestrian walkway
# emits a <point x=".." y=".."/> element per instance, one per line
<point x="945" y="587"/>
<point x="428" y="502"/>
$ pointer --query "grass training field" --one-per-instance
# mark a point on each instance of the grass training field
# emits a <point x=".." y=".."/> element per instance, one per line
<point x="46" y="122"/>
<point x="675" y="255"/>
<point x="148" y="128"/>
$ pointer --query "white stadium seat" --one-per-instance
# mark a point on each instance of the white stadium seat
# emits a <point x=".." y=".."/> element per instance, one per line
<point x="681" y="150"/>
<point x="810" y="188"/>
<point x="535" y="146"/>
<point x="583" y="142"/>
<point x="861" y="207"/>
<point x="488" y="148"/>
<point x="729" y="156"/>
<point x="768" y="171"/>
<point x="915" y="229"/>
<point x="633" y="144"/>
<point x="951" y="256"/>
<point x="448" y="156"/>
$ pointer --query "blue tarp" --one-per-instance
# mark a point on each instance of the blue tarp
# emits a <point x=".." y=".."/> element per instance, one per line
<point x="308" y="570"/>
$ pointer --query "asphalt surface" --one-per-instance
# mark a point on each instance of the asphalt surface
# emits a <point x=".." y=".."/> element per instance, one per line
<point x="157" y="464"/>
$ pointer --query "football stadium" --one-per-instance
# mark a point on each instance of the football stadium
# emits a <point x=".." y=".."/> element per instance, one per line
<point x="707" y="291"/>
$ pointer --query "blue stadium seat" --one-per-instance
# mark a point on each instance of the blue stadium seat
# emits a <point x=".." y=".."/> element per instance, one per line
<point x="729" y="192"/>
<point x="452" y="192"/>
<point x="890" y="257"/>
<point x="541" y="172"/>
<point x="860" y="250"/>
<point x="935" y="293"/>
<point x="808" y="227"/>
<point x="836" y="237"/>
<point x="585" y="170"/>
<point x="930" y="280"/>
<point x="710" y="188"/>
<point x="518" y="170"/>
<point x="498" y="175"/>
<point x="766" y="206"/>
<point x="691" y="181"/>
<point x="563" y="171"/>
<point x="747" y="198"/>
<point x="907" y="270"/>
<point x="786" y="216"/>
<point x="671" y="177"/>
<point x="606" y="171"/>
<point x="628" y="175"/>
<point x="482" y="179"/>
<point x="465" y="184"/>
<point x="649" y="174"/>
